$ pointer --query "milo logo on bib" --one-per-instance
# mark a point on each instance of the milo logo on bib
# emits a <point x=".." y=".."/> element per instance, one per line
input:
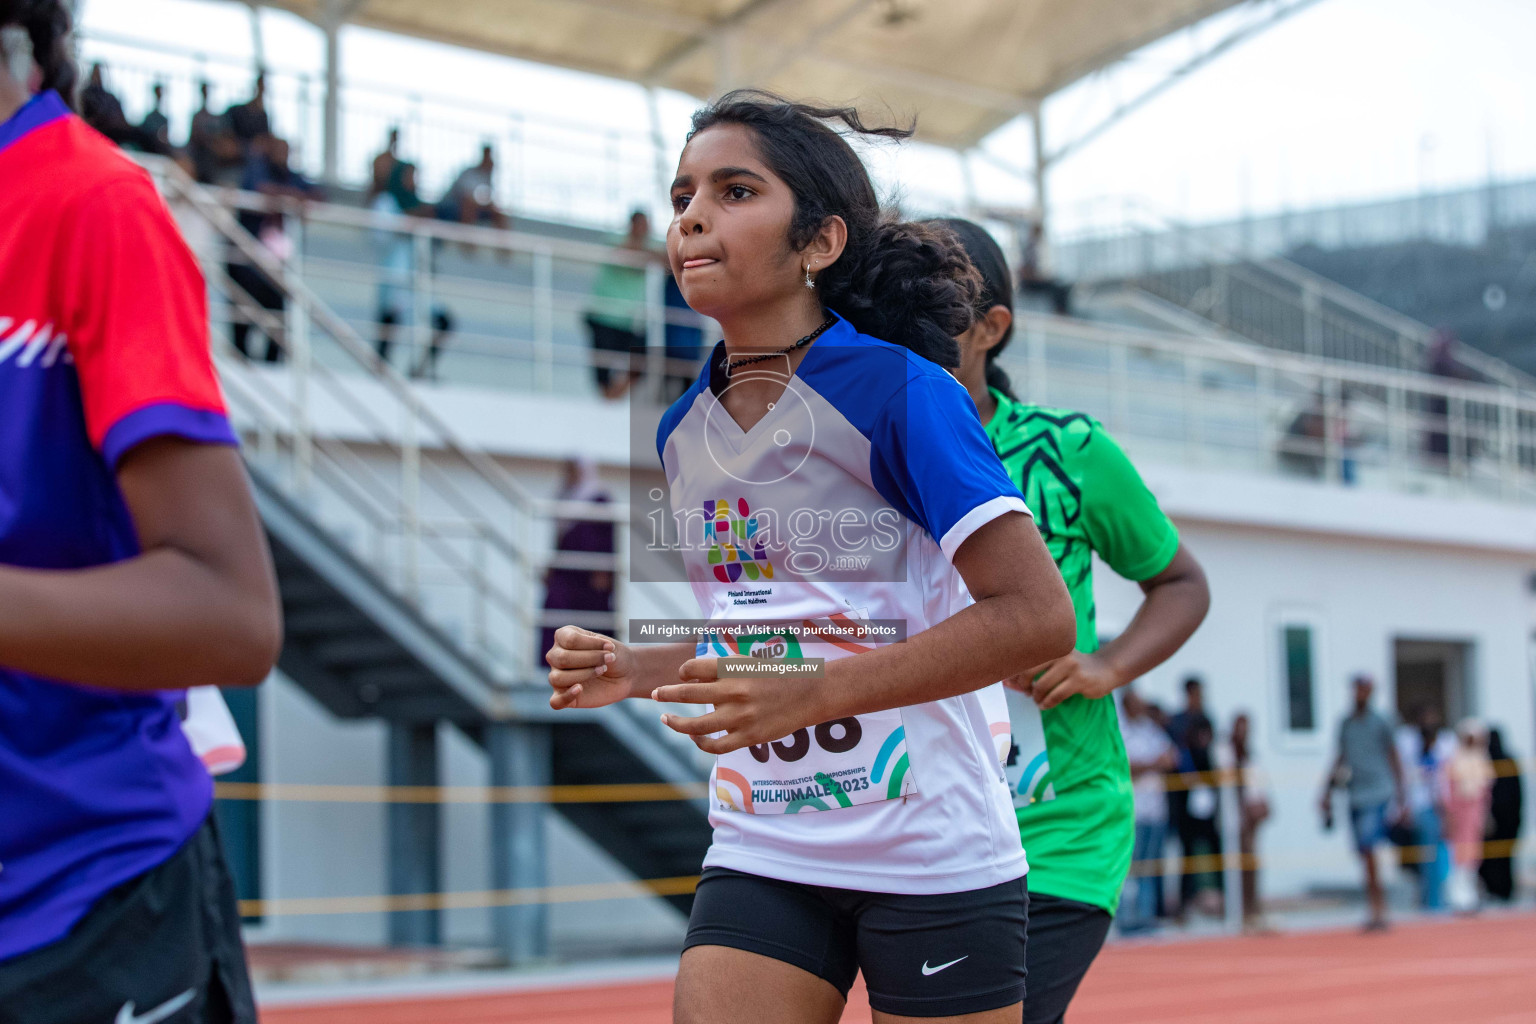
<point x="836" y="764"/>
<point x="773" y="646"/>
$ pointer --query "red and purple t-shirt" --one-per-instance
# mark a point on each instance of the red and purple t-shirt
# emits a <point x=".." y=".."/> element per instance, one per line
<point x="103" y="345"/>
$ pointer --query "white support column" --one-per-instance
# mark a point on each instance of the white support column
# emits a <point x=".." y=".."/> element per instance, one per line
<point x="415" y="833"/>
<point x="521" y="755"/>
<point x="333" y="15"/>
<point x="258" y="41"/>
<point x="662" y="166"/>
<point x="968" y="181"/>
<point x="1042" y="161"/>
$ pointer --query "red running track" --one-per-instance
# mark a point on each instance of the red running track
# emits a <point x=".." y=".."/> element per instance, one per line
<point x="1479" y="971"/>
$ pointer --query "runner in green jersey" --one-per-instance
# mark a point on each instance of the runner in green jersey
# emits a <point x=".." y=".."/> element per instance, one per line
<point x="1068" y="766"/>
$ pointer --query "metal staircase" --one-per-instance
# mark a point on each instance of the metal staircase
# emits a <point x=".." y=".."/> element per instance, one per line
<point x="408" y="570"/>
<point x="1270" y="301"/>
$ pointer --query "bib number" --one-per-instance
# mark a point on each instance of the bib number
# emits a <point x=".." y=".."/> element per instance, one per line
<point x="835" y="764"/>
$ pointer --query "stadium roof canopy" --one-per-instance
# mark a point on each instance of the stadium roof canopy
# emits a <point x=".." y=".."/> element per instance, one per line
<point x="965" y="66"/>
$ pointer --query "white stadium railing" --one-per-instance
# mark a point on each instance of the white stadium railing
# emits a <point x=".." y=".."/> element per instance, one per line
<point x="519" y="300"/>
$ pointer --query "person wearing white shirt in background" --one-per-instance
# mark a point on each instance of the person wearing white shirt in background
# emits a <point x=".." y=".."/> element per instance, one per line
<point x="1151" y="755"/>
<point x="1253" y="810"/>
<point x="1424" y="747"/>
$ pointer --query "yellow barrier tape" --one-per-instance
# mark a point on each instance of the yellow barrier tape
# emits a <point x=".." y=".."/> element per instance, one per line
<point x="1179" y="781"/>
<point x="682" y="884"/>
<point x="636" y="792"/>
<point x="1204" y="863"/>
<point x="296" y="906"/>
<point x="633" y="792"/>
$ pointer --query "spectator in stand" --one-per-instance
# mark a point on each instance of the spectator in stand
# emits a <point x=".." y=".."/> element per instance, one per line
<point x="267" y="172"/>
<point x="1151" y="754"/>
<point x="617" y="319"/>
<point x="102" y="110"/>
<point x="1441" y="361"/>
<point x="1367" y="766"/>
<point x="1423" y="748"/>
<point x="248" y="121"/>
<point x="1036" y="279"/>
<point x="1304" y="448"/>
<point x="1253" y="810"/>
<point x="1192" y="733"/>
<point x="471" y="199"/>
<point x="383" y="164"/>
<point x="397" y="266"/>
<point x="213" y="148"/>
<point x="1468" y="789"/>
<point x="154" y="132"/>
<point x="1503" y="821"/>
<point x="584" y="591"/>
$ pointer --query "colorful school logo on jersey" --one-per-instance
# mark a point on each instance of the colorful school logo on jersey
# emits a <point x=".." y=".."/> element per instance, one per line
<point x="735" y="548"/>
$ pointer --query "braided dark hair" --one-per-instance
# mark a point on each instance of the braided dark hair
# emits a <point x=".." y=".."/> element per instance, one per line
<point x="996" y="289"/>
<point x="906" y="283"/>
<point x="47" y="24"/>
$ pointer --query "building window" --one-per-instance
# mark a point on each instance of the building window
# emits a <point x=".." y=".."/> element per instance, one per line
<point x="1299" y="667"/>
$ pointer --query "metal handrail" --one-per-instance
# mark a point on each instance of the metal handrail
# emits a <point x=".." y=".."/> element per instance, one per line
<point x="1142" y="221"/>
<point x="1491" y="423"/>
<point x="1307" y="366"/>
<point x="275" y="409"/>
<point x="1236" y="407"/>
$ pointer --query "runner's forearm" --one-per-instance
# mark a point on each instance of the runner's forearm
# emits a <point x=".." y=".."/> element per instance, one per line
<point x="1175" y="604"/>
<point x="1022" y="619"/>
<point x="161" y="621"/>
<point x="198" y="607"/>
<point x="657" y="665"/>
<point x="959" y="655"/>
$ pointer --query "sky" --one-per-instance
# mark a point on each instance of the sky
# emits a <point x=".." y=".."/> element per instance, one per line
<point x="1348" y="100"/>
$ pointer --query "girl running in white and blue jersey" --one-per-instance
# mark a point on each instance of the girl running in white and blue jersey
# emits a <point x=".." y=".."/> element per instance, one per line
<point x="826" y="470"/>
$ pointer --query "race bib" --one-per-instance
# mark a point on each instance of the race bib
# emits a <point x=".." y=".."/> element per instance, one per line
<point x="836" y="764"/>
<point x="1028" y="767"/>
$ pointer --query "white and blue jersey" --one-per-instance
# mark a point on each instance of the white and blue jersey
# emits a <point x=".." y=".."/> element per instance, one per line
<point x="847" y="501"/>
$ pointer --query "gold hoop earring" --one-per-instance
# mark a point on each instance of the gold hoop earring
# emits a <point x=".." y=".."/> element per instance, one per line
<point x="810" y="282"/>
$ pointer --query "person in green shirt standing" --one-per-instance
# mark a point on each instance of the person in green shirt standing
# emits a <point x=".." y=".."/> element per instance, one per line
<point x="617" y="318"/>
<point x="1067" y="763"/>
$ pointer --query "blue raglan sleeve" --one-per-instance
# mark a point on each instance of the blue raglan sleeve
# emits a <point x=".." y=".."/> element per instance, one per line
<point x="930" y="458"/>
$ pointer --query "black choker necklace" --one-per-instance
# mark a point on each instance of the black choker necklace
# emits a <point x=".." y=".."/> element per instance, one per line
<point x="735" y="364"/>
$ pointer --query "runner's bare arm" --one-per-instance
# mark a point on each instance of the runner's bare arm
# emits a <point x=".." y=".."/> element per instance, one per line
<point x="1175" y="604"/>
<point x="589" y="670"/>
<point x="1022" y="616"/>
<point x="198" y="606"/>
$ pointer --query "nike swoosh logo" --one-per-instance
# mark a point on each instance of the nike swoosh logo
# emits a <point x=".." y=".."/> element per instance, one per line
<point x="926" y="969"/>
<point x="159" y="1013"/>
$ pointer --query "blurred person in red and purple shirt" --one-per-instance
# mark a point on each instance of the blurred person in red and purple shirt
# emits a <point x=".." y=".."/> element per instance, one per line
<point x="132" y="566"/>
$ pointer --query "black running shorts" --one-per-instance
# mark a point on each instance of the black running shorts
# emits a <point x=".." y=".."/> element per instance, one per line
<point x="922" y="956"/>
<point x="163" y="948"/>
<point x="1065" y="936"/>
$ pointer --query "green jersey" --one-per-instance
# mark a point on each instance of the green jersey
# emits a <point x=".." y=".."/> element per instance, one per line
<point x="1071" y="780"/>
